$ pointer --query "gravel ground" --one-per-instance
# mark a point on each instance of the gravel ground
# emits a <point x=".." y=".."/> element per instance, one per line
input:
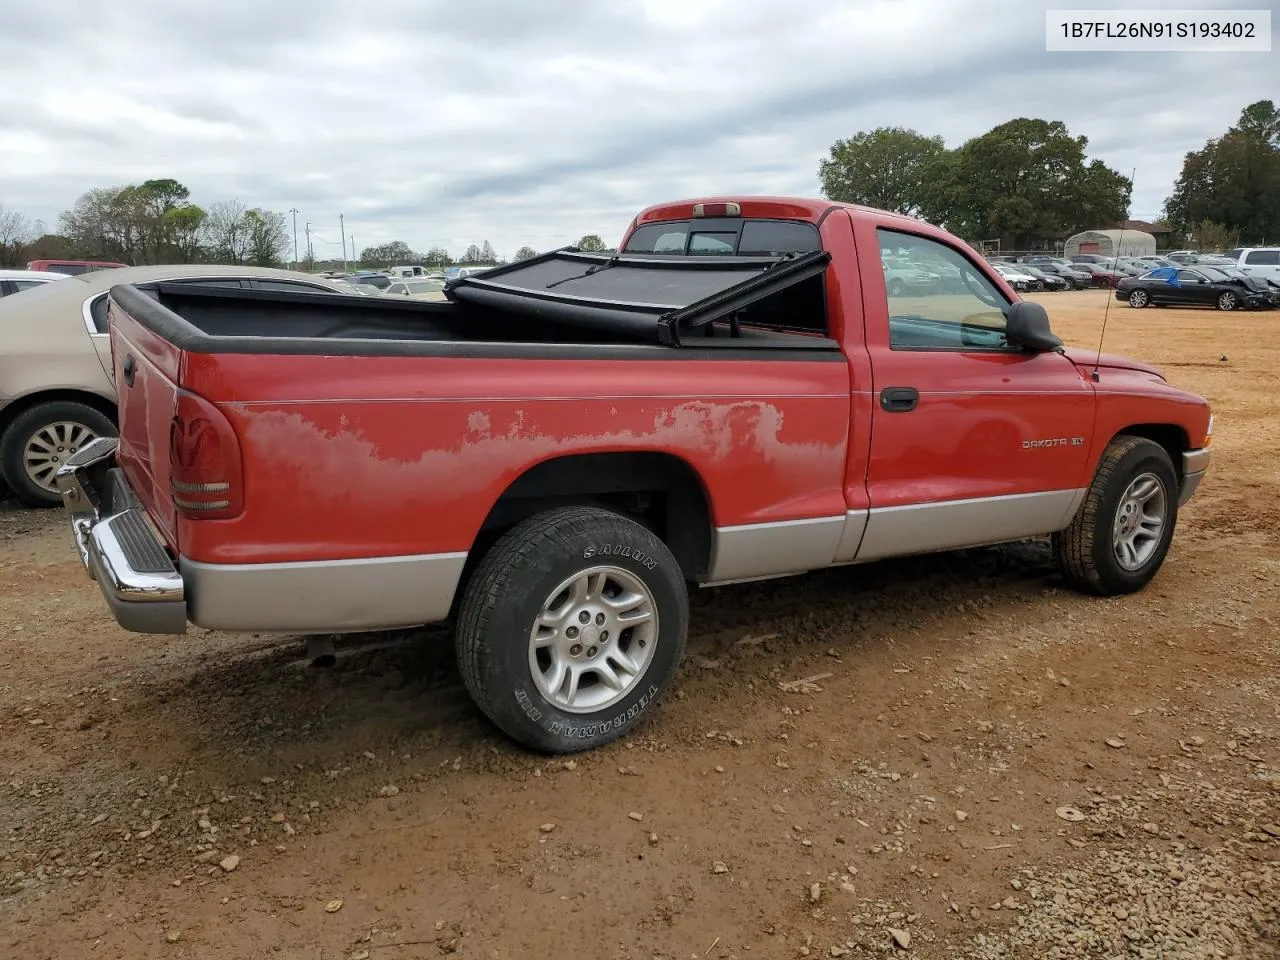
<point x="981" y="765"/>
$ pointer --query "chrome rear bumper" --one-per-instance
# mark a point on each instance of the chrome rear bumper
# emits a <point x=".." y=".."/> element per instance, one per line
<point x="118" y="545"/>
<point x="1194" y="465"/>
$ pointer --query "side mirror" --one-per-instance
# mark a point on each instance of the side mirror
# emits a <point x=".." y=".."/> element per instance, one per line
<point x="1027" y="327"/>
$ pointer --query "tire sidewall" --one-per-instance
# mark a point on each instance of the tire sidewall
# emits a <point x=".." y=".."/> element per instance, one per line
<point x="14" y="440"/>
<point x="519" y="705"/>
<point x="1147" y="458"/>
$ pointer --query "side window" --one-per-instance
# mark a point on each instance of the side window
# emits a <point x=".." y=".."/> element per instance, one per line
<point x="1234" y="254"/>
<point x="1263" y="258"/>
<point x="26" y="284"/>
<point x="1189" y="276"/>
<point x="938" y="300"/>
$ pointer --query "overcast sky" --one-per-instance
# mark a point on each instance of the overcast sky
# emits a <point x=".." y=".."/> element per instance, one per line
<point x="536" y="121"/>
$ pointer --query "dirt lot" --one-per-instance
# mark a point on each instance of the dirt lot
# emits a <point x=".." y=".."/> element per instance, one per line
<point x="991" y="765"/>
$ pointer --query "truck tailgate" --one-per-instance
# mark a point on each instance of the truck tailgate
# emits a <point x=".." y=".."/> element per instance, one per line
<point x="148" y="372"/>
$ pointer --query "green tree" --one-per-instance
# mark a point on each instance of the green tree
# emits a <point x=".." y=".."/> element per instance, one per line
<point x="391" y="254"/>
<point x="1233" y="181"/>
<point x="526" y="253"/>
<point x="268" y="237"/>
<point x="890" y="168"/>
<point x="1024" y="181"/>
<point x="151" y="222"/>
<point x="437" y="257"/>
<point x="473" y="254"/>
<point x="591" y="243"/>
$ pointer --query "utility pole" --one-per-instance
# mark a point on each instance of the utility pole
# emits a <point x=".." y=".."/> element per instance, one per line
<point x="310" y="258"/>
<point x="295" y="211"/>
<point x="355" y="259"/>
<point x="342" y="231"/>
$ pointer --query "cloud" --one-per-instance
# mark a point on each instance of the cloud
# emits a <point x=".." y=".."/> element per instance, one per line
<point x="534" y="123"/>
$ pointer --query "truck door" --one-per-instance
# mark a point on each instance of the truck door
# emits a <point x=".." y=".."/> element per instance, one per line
<point x="972" y="441"/>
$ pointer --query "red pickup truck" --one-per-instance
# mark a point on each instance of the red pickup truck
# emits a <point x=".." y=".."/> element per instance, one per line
<point x="555" y="454"/>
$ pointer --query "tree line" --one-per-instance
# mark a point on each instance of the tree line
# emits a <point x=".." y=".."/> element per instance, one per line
<point x="157" y="222"/>
<point x="397" y="253"/>
<point x="1027" y="181"/>
<point x="1021" y="182"/>
<point x="1230" y="188"/>
<point x="150" y="222"/>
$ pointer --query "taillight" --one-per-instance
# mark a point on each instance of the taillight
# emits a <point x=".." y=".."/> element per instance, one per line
<point x="204" y="461"/>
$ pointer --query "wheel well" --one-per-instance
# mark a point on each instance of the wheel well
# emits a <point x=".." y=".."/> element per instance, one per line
<point x="23" y="404"/>
<point x="1170" y="436"/>
<point x="658" y="489"/>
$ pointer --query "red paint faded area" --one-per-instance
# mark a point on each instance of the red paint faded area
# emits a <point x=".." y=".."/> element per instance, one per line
<point x="393" y="472"/>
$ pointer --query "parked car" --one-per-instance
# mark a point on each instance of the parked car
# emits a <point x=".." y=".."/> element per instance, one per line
<point x="15" y="281"/>
<point x="1181" y="256"/>
<point x="1076" y="278"/>
<point x="55" y="390"/>
<point x="371" y="278"/>
<point x="550" y="458"/>
<point x="1257" y="261"/>
<point x="73" y="268"/>
<point x="1270" y="289"/>
<point x="1049" y="281"/>
<point x="1189" y="287"/>
<point x="904" y="277"/>
<point x="1088" y="258"/>
<point x="418" y="289"/>
<point x="1133" y="266"/>
<point x="1103" y="275"/>
<point x="1017" y="277"/>
<point x="364" y="289"/>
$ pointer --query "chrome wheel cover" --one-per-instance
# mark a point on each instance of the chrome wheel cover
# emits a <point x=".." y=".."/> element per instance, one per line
<point x="593" y="639"/>
<point x="1139" y="522"/>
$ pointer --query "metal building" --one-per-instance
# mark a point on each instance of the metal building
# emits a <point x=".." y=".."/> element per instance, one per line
<point x="1111" y="243"/>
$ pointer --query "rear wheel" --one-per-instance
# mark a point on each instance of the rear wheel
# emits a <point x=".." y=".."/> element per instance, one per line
<point x="40" y="440"/>
<point x="1121" y="534"/>
<point x="571" y="628"/>
<point x="1139" y="299"/>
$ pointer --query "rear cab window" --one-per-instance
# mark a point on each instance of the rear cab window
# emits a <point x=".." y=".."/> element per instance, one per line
<point x="797" y="309"/>
<point x="728" y="236"/>
<point x="1263" y="258"/>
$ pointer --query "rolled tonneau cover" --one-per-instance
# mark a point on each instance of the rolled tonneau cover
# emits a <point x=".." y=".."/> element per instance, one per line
<point x="643" y="295"/>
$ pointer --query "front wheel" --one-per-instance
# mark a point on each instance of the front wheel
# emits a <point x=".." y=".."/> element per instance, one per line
<point x="1121" y="533"/>
<point x="571" y="628"/>
<point x="1139" y="299"/>
<point x="1227" y="301"/>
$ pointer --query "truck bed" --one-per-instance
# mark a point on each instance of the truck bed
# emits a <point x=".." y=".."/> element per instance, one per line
<point x="740" y="303"/>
